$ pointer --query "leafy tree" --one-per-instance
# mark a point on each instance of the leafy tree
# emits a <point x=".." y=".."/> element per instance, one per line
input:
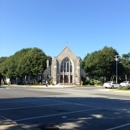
<point x="32" y="63"/>
<point x="83" y="61"/>
<point x="28" y="61"/>
<point x="2" y="59"/>
<point x="101" y="63"/>
<point x="125" y="61"/>
<point x="8" y="67"/>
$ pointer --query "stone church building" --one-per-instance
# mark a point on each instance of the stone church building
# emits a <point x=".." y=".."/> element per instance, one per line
<point x="65" y="68"/>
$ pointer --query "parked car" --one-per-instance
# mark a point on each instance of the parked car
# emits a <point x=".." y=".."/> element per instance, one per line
<point x="111" y="84"/>
<point x="125" y="83"/>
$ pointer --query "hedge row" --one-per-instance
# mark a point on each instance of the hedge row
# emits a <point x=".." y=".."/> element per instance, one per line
<point x="124" y="88"/>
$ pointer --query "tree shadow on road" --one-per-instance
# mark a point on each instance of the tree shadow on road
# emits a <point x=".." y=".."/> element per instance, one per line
<point x="65" y="113"/>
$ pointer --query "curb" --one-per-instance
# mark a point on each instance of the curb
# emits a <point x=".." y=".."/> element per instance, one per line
<point x="7" y="124"/>
<point x="124" y="91"/>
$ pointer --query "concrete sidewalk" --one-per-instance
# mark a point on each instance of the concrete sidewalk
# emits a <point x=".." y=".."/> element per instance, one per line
<point x="40" y="86"/>
<point x="7" y="124"/>
<point x="52" y="86"/>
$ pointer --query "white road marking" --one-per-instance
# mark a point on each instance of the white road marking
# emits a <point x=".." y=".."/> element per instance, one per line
<point x="53" y="115"/>
<point x="114" y="128"/>
<point x="90" y="105"/>
<point x="66" y="102"/>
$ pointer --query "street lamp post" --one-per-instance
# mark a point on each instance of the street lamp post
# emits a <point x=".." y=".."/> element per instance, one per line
<point x="116" y="59"/>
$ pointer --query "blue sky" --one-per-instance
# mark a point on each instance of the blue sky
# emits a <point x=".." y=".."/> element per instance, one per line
<point x="84" y="25"/>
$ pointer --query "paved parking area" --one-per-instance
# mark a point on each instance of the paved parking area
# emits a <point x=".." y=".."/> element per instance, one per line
<point x="65" y="109"/>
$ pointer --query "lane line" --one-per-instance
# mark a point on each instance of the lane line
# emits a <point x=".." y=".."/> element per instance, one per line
<point x="5" y="109"/>
<point x="112" y="109"/>
<point x="114" y="128"/>
<point x="53" y="115"/>
<point x="91" y="105"/>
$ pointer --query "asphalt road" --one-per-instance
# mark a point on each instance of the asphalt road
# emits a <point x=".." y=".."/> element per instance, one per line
<point x="80" y="108"/>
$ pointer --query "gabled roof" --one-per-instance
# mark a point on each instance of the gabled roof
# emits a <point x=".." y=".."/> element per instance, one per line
<point x="66" y="51"/>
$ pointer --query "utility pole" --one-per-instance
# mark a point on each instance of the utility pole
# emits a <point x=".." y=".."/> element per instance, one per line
<point x="116" y="59"/>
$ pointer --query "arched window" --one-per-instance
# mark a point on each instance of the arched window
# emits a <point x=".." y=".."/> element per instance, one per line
<point x="66" y="65"/>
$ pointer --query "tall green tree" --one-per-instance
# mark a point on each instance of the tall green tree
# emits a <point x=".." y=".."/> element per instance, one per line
<point x="125" y="61"/>
<point x="2" y="59"/>
<point x="101" y="63"/>
<point x="84" y="60"/>
<point x="8" y="67"/>
<point x="32" y="63"/>
<point x="29" y="61"/>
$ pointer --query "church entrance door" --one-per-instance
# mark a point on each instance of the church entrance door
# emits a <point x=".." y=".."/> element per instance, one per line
<point x="66" y="79"/>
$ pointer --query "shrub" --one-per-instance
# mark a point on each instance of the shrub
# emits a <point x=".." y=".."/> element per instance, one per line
<point x="101" y="80"/>
<point x="88" y="81"/>
<point x="124" y="87"/>
<point x="2" y="83"/>
<point x="120" y="87"/>
<point x="101" y="84"/>
<point x="91" y="82"/>
<point x="81" y="82"/>
<point x="97" y="82"/>
<point x="50" y="82"/>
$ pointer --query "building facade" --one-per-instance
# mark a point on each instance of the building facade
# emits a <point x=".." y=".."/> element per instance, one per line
<point x="65" y="68"/>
